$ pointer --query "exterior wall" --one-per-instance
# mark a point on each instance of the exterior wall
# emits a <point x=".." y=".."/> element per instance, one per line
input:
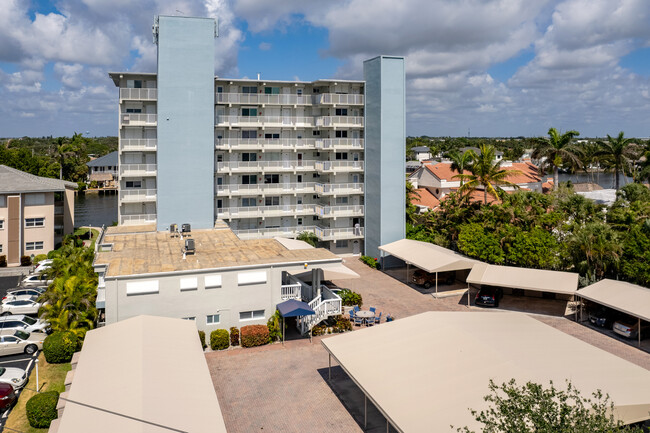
<point x="4" y="221"/>
<point x="68" y="212"/>
<point x="43" y="234"/>
<point x="186" y="122"/>
<point x="385" y="139"/>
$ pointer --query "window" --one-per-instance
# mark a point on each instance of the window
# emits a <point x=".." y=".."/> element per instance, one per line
<point x="341" y="155"/>
<point x="271" y="178"/>
<point x="341" y="134"/>
<point x="219" y="89"/>
<point x="0" y="248"/>
<point x="251" y="277"/>
<point x="134" y="84"/>
<point x="219" y="181"/>
<point x="272" y="201"/>
<point x="299" y="92"/>
<point x="249" y="179"/>
<point x="212" y="319"/>
<point x="249" y="156"/>
<point x="189" y="284"/>
<point x="189" y="318"/>
<point x="248" y="202"/>
<point x="249" y="134"/>
<point x="342" y="244"/>
<point x="212" y="281"/>
<point x="249" y="112"/>
<point x="299" y="221"/>
<point x="33" y="246"/>
<point x="219" y="157"/>
<point x="141" y="287"/>
<point x="341" y="111"/>
<point x="251" y="315"/>
<point x="249" y="89"/>
<point x="134" y="110"/>
<point x="272" y="90"/>
<point x="34" y="222"/>
<point x="134" y="184"/>
<point x="272" y="136"/>
<point x="299" y="178"/>
<point x="34" y="199"/>
<point x="316" y="133"/>
<point x="341" y="200"/>
<point x="2" y="224"/>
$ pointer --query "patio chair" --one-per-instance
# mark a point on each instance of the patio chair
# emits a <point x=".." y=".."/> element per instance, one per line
<point x="373" y="309"/>
<point x="356" y="308"/>
<point x="351" y="312"/>
<point x="370" y="321"/>
<point x="358" y="321"/>
<point x="378" y="319"/>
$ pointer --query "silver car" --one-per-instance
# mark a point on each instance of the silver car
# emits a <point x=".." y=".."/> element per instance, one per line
<point x="21" y="306"/>
<point x="36" y="280"/>
<point x="16" y="377"/>
<point x="23" y="323"/>
<point x="13" y="342"/>
<point x="15" y="294"/>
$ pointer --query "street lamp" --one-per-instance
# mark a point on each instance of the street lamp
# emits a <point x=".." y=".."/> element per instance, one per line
<point x="36" y="362"/>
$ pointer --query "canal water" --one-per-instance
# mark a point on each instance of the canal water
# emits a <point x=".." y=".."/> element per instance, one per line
<point x="95" y="210"/>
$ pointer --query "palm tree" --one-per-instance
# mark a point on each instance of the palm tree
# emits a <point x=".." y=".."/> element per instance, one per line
<point x="461" y="161"/>
<point x="618" y="153"/>
<point x="556" y="151"/>
<point x="411" y="209"/>
<point x="486" y="171"/>
<point x="308" y="237"/>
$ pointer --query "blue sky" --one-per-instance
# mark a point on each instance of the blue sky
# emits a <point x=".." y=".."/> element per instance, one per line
<point x="498" y="68"/>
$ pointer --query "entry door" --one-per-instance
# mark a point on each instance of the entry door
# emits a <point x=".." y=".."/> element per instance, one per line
<point x="286" y="182"/>
<point x="286" y="160"/>
<point x="355" y="247"/>
<point x="299" y="160"/>
<point x="286" y="116"/>
<point x="286" y="203"/>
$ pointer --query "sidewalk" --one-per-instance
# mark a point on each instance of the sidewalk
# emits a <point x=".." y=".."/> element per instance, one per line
<point x="11" y="271"/>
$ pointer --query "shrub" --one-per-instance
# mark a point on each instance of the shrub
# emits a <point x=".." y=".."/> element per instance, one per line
<point x="41" y="409"/>
<point x="234" y="336"/>
<point x="318" y="330"/>
<point x="3" y="261"/>
<point x="350" y="298"/>
<point x="343" y="324"/>
<point x="25" y="261"/>
<point x="219" y="339"/>
<point x="275" y="329"/>
<point x="59" y="347"/>
<point x="255" y="335"/>
<point x="39" y="258"/>
<point x="202" y="338"/>
<point x="370" y="261"/>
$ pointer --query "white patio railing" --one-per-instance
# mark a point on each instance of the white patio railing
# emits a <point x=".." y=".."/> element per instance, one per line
<point x="290" y="291"/>
<point x="325" y="305"/>
<point x="265" y="188"/>
<point x="139" y="94"/>
<point x="339" y="188"/>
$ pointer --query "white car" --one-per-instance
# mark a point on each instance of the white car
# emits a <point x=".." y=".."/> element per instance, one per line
<point x="43" y="266"/>
<point x="24" y="306"/>
<point x="13" y="342"/>
<point x="23" y="323"/>
<point x="35" y="280"/>
<point x="16" y="377"/>
<point x="17" y="294"/>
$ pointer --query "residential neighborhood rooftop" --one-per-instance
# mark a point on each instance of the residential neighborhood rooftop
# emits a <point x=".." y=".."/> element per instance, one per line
<point x="13" y="180"/>
<point x="109" y="159"/>
<point x="528" y="172"/>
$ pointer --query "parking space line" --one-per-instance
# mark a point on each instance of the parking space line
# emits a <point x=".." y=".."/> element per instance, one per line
<point x="16" y="360"/>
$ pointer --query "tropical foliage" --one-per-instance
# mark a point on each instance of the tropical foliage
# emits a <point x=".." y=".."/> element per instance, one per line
<point x="557" y="151"/>
<point x="617" y="154"/>
<point x="308" y="237"/>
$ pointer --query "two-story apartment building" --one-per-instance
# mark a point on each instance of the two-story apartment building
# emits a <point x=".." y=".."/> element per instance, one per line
<point x="35" y="213"/>
<point x="104" y="170"/>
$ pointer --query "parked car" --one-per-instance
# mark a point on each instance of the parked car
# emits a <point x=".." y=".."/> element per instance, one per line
<point x="22" y="306"/>
<point x="602" y="317"/>
<point x="36" y="280"/>
<point x="426" y="279"/>
<point x="16" y="377"/>
<point x="23" y="323"/>
<point x="14" y="295"/>
<point x="7" y="396"/>
<point x="13" y="342"/>
<point x="628" y="327"/>
<point x="489" y="296"/>
<point x="43" y="266"/>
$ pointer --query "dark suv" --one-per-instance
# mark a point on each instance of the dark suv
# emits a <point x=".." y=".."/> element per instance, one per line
<point x="489" y="296"/>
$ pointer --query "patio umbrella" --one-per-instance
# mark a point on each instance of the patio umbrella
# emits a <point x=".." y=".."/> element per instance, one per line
<point x="293" y="308"/>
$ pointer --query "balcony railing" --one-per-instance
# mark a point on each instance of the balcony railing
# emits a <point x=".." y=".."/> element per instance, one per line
<point x="263" y="99"/>
<point x="323" y="233"/>
<point x="338" y="188"/>
<point x="263" y="166"/>
<point x="340" y="99"/>
<point x="279" y="121"/>
<point x="137" y="219"/>
<point x="138" y="119"/>
<point x="339" y="211"/>
<point x="138" y="169"/>
<point x="137" y="195"/>
<point x="340" y="143"/>
<point x="138" y="144"/>
<point x="290" y="291"/>
<point x="340" y="121"/>
<point x="267" y="144"/>
<point x="139" y="94"/>
<point x="266" y="188"/>
<point x="338" y="166"/>
<point x="326" y="234"/>
<point x="267" y="211"/>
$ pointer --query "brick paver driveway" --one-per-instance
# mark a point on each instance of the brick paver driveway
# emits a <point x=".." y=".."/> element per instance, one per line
<point x="285" y="389"/>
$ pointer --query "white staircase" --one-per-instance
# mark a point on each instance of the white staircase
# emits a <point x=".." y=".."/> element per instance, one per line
<point x="325" y="305"/>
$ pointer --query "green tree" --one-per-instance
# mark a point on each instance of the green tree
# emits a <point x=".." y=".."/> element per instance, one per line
<point x="411" y="209"/>
<point x="308" y="237"/>
<point x="533" y="408"/>
<point x="635" y="261"/>
<point x="461" y="161"/>
<point x="557" y="151"/>
<point x="595" y="249"/>
<point x="618" y="154"/>
<point x="479" y="243"/>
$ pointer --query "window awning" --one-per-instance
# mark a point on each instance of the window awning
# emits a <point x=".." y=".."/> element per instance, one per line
<point x="619" y="295"/>
<point x="428" y="257"/>
<point x="524" y="278"/>
<point x="294" y="308"/>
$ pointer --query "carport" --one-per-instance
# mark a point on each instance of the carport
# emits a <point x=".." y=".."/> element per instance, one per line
<point x="428" y="257"/>
<point x="625" y="297"/>
<point x="538" y="280"/>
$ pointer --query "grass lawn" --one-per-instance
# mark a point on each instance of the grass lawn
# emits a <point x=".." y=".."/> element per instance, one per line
<point x="51" y="378"/>
<point x="83" y="231"/>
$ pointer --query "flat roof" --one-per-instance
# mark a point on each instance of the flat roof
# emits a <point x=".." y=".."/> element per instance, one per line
<point x="157" y="252"/>
<point x="261" y="80"/>
<point x="428" y="256"/>
<point x="619" y="295"/>
<point x="444" y="361"/>
<point x="524" y="278"/>
<point x="149" y="368"/>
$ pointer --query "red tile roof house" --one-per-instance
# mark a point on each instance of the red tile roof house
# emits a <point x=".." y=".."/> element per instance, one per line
<point x="439" y="179"/>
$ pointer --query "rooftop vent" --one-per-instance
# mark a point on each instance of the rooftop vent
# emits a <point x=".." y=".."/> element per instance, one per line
<point x="186" y="228"/>
<point x="173" y="229"/>
<point x="189" y="247"/>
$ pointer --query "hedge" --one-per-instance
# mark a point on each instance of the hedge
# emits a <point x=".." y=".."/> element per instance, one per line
<point x="202" y="338"/>
<point x="234" y="336"/>
<point x="219" y="339"/>
<point x="25" y="261"/>
<point x="255" y="335"/>
<point x="41" y="409"/>
<point x="350" y="298"/>
<point x="59" y="347"/>
<point x="370" y="261"/>
<point x="3" y="261"/>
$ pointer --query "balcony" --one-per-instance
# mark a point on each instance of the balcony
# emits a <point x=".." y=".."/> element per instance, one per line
<point x="326" y="234"/>
<point x="338" y="188"/>
<point x="340" y="99"/>
<point x="323" y="233"/>
<point x="339" y="211"/>
<point x="138" y="219"/>
<point x="294" y="144"/>
<point x="340" y="144"/>
<point x="264" y="166"/>
<point x="267" y="211"/>
<point x="290" y="291"/>
<point x="138" y="119"/>
<point x="264" y="121"/>
<point x="137" y="195"/>
<point x="130" y="170"/>
<point x="138" y="144"/>
<point x="266" y="188"/>
<point x="263" y="99"/>
<point x="138" y="94"/>
<point x="340" y="121"/>
<point x="338" y="166"/>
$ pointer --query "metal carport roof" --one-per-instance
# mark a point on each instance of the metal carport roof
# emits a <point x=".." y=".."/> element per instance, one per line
<point x="524" y="278"/>
<point x="619" y="295"/>
<point x="427" y="256"/>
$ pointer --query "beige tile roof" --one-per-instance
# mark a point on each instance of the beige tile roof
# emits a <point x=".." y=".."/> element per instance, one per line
<point x="528" y="172"/>
<point x="425" y="198"/>
<point x="155" y="252"/>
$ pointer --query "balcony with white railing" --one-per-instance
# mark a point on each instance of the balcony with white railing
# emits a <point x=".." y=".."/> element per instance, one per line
<point x="137" y="195"/>
<point x="340" y="144"/>
<point x="327" y="234"/>
<point x="286" y="232"/>
<point x="138" y="144"/>
<point x="290" y="291"/>
<point x="339" y="211"/>
<point x="127" y="170"/>
<point x="267" y="211"/>
<point x="340" y="121"/>
<point x="325" y="305"/>
<point x="264" y="166"/>
<point x="137" y="219"/>
<point x="339" y="166"/>
<point x="265" y="144"/>
<point x="264" y="121"/>
<point x="263" y="99"/>
<point x="266" y="188"/>
<point x="138" y="94"/>
<point x="340" y="99"/>
<point x="338" y="188"/>
<point x="138" y="119"/>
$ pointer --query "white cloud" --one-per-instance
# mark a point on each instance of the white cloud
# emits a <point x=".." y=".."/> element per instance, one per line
<point x="264" y="46"/>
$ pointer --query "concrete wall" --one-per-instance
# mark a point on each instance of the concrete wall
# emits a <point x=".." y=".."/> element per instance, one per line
<point x="385" y="142"/>
<point x="185" y="122"/>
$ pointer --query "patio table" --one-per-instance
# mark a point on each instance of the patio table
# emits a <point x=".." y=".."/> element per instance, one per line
<point x="364" y="314"/>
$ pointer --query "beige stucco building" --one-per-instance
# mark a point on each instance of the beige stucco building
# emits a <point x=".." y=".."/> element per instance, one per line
<point x="35" y="213"/>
